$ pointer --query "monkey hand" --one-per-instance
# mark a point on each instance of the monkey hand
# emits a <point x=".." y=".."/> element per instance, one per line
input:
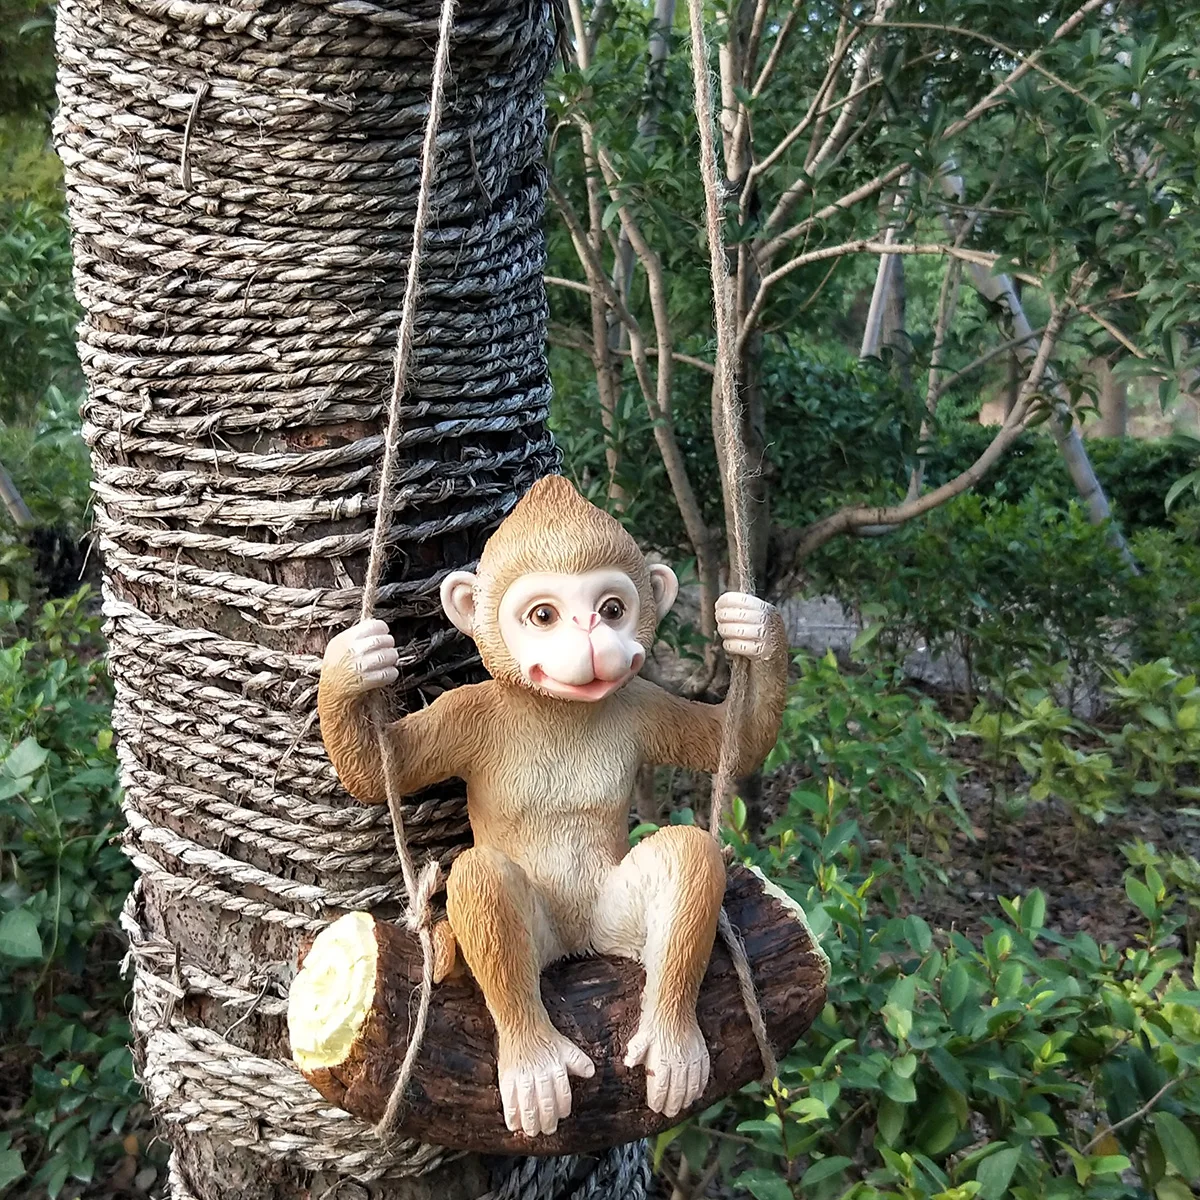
<point x="743" y="624"/>
<point x="533" y="1080"/>
<point x="363" y="657"/>
<point x="676" y="1064"/>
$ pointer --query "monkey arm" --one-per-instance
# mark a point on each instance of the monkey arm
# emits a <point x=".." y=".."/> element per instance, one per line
<point x="687" y="733"/>
<point x="425" y="743"/>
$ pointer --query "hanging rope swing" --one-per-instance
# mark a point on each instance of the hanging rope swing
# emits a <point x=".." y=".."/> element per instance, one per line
<point x="426" y="1065"/>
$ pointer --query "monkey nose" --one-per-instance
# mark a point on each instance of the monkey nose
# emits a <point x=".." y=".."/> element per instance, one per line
<point x="592" y="621"/>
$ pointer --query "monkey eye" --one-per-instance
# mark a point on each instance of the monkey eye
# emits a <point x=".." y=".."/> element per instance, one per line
<point x="612" y="609"/>
<point x="543" y="616"/>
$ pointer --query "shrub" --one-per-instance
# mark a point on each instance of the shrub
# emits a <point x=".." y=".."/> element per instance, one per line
<point x="864" y="742"/>
<point x="1018" y="1064"/>
<point x="1001" y="586"/>
<point x="1136" y="474"/>
<point x="61" y="1003"/>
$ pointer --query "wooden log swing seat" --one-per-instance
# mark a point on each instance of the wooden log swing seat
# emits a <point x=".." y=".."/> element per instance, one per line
<point x="453" y="1099"/>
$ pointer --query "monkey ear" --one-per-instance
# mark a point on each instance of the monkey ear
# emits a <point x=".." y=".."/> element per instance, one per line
<point x="665" y="586"/>
<point x="458" y="600"/>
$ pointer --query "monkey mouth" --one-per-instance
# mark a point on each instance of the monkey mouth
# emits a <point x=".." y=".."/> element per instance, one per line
<point x="597" y="689"/>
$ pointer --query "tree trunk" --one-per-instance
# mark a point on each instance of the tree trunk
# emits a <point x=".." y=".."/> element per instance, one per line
<point x="241" y="181"/>
<point x="1113" y="402"/>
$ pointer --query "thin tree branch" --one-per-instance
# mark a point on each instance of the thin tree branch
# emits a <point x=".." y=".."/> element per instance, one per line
<point x="854" y="517"/>
<point x="1009" y="51"/>
<point x="861" y="246"/>
<point x="840" y="49"/>
<point x="792" y="195"/>
<point x="1112" y="331"/>
<point x="560" y="337"/>
<point x="18" y="510"/>
<point x="946" y="384"/>
<point x="777" y="46"/>
<point x="768" y="249"/>
<point x="573" y="284"/>
<point x="1133" y="1116"/>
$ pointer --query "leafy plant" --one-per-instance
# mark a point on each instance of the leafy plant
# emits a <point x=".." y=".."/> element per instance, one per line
<point x="862" y="742"/>
<point x="1001" y="587"/>
<point x="1063" y="758"/>
<point x="59" y="900"/>
<point x="1019" y="1065"/>
<point x="1162" y="733"/>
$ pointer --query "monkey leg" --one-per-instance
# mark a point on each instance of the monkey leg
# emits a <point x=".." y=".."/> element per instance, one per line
<point x="660" y="905"/>
<point x="506" y="938"/>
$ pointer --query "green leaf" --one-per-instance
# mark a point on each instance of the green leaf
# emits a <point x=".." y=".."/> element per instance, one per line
<point x="11" y="1168"/>
<point x="897" y="1012"/>
<point x="955" y="985"/>
<point x="996" y="1171"/>
<point x="825" y="1168"/>
<point x="865" y="637"/>
<point x="1173" y="1188"/>
<point x="763" y="1185"/>
<point x="950" y="1069"/>
<point x="890" y="1121"/>
<point x="25" y="758"/>
<point x="19" y="936"/>
<point x="1178" y="1144"/>
<point x="1141" y="897"/>
<point x="897" y="1087"/>
<point x="1033" y="910"/>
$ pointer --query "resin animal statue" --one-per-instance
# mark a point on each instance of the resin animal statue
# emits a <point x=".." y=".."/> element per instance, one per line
<point x="563" y="608"/>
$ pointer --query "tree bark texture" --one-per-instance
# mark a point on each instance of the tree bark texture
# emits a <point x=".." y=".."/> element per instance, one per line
<point x="241" y="179"/>
<point x="596" y="1002"/>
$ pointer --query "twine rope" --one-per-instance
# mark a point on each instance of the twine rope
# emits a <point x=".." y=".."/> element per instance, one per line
<point x="731" y="447"/>
<point x="419" y="887"/>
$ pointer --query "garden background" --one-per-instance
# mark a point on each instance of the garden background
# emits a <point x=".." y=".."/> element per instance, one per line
<point x="987" y="798"/>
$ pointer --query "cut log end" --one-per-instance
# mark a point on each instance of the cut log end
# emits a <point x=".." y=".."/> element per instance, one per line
<point x="334" y="993"/>
<point x="350" y="1007"/>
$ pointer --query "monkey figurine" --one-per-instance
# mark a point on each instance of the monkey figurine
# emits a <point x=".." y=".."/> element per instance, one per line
<point x="563" y="610"/>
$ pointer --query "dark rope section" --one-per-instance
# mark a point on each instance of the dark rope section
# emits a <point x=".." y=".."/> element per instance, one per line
<point x="241" y="180"/>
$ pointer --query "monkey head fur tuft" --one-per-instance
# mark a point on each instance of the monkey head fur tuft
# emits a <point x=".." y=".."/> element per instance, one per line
<point x="564" y="601"/>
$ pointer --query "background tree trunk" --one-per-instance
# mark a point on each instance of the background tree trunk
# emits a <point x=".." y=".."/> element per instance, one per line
<point x="1112" y="401"/>
<point x="241" y="181"/>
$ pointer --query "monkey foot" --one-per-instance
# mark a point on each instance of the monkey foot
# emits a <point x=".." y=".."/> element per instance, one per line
<point x="676" y="1063"/>
<point x="533" y="1081"/>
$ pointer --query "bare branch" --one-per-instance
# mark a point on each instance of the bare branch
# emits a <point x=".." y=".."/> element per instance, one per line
<point x="840" y="49"/>
<point x="769" y="249"/>
<point x="1136" y="1115"/>
<point x="18" y="510"/>
<point x="841" y="127"/>
<point x="854" y="517"/>
<point x="781" y="39"/>
<point x="861" y="246"/>
<point x="1113" y="331"/>
<point x="562" y="337"/>
<point x="1009" y="51"/>
<point x="573" y="284"/>
<point x="946" y="384"/>
<point x="664" y="430"/>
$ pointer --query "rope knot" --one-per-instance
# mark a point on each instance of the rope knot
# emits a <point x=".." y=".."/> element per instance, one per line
<point x="419" y="913"/>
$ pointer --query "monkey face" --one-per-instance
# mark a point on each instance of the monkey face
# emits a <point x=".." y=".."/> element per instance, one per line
<point x="573" y="635"/>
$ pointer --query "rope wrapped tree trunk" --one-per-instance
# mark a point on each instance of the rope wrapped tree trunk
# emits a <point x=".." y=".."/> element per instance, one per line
<point x="241" y="180"/>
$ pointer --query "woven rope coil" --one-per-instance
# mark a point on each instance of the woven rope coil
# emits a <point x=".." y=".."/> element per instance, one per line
<point x="241" y="179"/>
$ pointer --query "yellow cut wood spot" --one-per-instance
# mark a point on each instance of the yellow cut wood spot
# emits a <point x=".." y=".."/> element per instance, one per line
<point x="333" y="992"/>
